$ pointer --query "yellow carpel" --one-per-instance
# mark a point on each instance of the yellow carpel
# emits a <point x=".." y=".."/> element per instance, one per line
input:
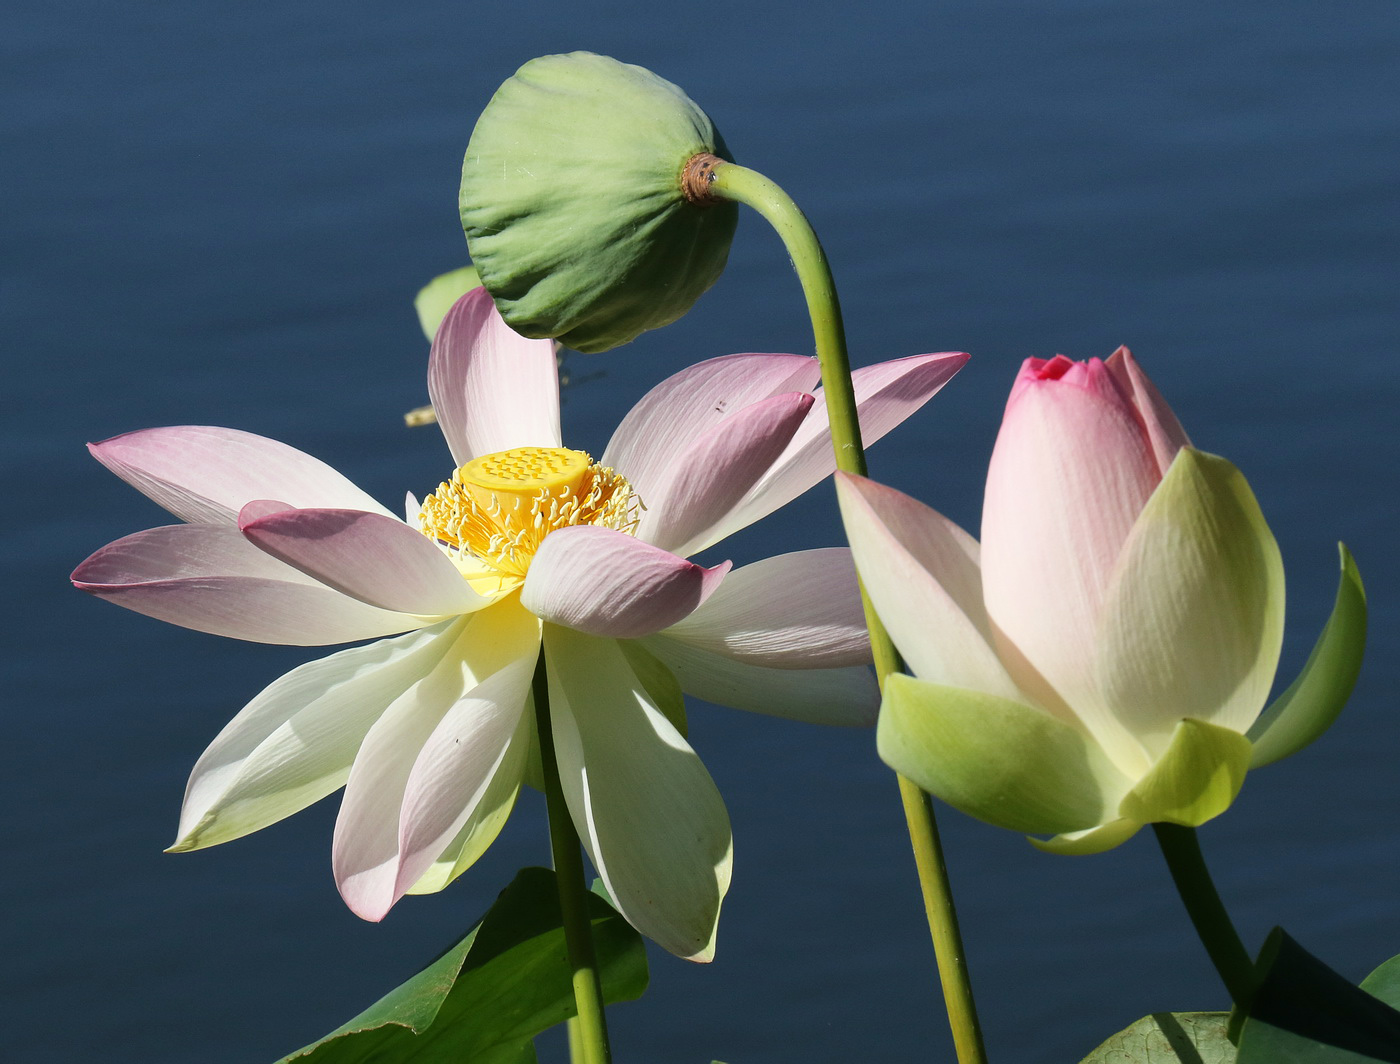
<point x="496" y="510"/>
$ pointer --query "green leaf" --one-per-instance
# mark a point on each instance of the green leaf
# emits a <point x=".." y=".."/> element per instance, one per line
<point x="1001" y="761"/>
<point x="486" y="998"/>
<point x="1384" y="983"/>
<point x="1169" y="1038"/>
<point x="1305" y="1013"/>
<point x="1313" y="700"/>
<point x="435" y="298"/>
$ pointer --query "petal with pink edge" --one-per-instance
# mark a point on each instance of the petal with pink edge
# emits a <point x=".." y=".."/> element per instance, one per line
<point x="702" y="485"/>
<point x="1070" y="472"/>
<point x="294" y="743"/>
<point x="794" y="611"/>
<point x="648" y="813"/>
<point x="665" y="423"/>
<point x="370" y="557"/>
<point x="365" y="851"/>
<point x="1164" y="431"/>
<point x="209" y="578"/>
<point x="607" y="583"/>
<point x="204" y="474"/>
<point x="886" y="394"/>
<point x="921" y="572"/>
<point x="847" y="696"/>
<point x="492" y="389"/>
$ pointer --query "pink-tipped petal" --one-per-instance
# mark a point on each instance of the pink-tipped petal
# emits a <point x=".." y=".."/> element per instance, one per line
<point x="365" y="852"/>
<point x="370" y="557"/>
<point x="665" y="423"/>
<point x="607" y="583"/>
<point x="701" y="486"/>
<point x="646" y="810"/>
<point x="886" y="394"/>
<point x="205" y="475"/>
<point x="921" y="572"/>
<point x="492" y="389"/>
<point x="1163" y="430"/>
<point x="1069" y="474"/>
<point x="795" y="611"/>
<point x="209" y="578"/>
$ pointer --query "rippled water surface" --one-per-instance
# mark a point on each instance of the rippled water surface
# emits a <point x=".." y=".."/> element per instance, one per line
<point x="219" y="214"/>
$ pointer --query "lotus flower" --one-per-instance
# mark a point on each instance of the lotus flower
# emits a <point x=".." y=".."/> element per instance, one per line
<point x="430" y="731"/>
<point x="1102" y="660"/>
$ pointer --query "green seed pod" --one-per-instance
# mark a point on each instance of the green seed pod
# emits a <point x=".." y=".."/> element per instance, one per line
<point x="573" y="206"/>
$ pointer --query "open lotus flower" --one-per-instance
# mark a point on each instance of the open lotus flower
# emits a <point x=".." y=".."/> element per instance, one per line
<point x="1101" y="662"/>
<point x="430" y="732"/>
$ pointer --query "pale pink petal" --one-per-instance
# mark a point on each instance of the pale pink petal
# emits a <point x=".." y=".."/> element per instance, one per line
<point x="205" y="475"/>
<point x="921" y="572"/>
<point x="607" y="583"/>
<point x="843" y="696"/>
<point x="370" y="557"/>
<point x="1163" y="430"/>
<point x="660" y="430"/>
<point x="208" y="577"/>
<point x="886" y="394"/>
<point x="365" y="850"/>
<point x="492" y="389"/>
<point x="701" y="486"/>
<point x="1069" y="474"/>
<point x="795" y="611"/>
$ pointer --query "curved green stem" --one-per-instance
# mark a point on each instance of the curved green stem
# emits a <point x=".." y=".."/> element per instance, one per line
<point x="1187" y="864"/>
<point x="588" y="1031"/>
<point x="737" y="183"/>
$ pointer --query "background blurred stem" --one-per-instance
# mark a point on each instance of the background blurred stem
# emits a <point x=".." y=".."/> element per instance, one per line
<point x="708" y="175"/>
<point x="588" y="1031"/>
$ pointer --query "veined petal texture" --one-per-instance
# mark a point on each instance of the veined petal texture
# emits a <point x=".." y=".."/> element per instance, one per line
<point x="492" y="389"/>
<point x="648" y="813"/>
<point x="294" y="743"/>
<point x="205" y="475"/>
<point x="209" y="578"/>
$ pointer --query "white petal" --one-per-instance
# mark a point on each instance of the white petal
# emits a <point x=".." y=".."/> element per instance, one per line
<point x="646" y="810"/>
<point x="365" y="851"/>
<point x="293" y="744"/>
<point x="844" y="696"/>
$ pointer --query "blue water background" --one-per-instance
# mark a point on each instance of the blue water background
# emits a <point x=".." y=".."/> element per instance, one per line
<point x="218" y="213"/>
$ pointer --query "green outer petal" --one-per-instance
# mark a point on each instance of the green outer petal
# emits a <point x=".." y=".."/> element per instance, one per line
<point x="1312" y="702"/>
<point x="659" y="682"/>
<point x="1193" y="619"/>
<point x="1000" y="761"/>
<point x="572" y="204"/>
<point x="436" y="297"/>
<point x="1195" y="780"/>
<point x="1095" y="840"/>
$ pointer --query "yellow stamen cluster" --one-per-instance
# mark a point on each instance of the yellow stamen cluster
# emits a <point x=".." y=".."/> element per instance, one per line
<point x="494" y="513"/>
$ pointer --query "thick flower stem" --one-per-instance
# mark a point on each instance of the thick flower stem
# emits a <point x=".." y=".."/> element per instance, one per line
<point x="588" y="1031"/>
<point x="1182" y="850"/>
<point x="737" y="183"/>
